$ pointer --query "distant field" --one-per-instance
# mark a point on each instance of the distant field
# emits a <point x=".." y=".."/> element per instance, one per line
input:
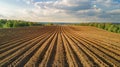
<point x="59" y="46"/>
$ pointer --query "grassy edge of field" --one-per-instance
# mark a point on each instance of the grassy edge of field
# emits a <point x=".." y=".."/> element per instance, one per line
<point x="111" y="27"/>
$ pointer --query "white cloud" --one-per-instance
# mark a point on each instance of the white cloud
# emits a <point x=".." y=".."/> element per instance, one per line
<point x="67" y="10"/>
<point x="114" y="12"/>
<point x="28" y="1"/>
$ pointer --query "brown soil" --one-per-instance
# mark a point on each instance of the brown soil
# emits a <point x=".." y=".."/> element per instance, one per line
<point x="59" y="46"/>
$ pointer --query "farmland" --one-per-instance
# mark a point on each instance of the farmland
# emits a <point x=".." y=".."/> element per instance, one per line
<point x="59" y="46"/>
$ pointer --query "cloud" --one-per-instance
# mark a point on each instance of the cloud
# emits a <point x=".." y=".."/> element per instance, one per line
<point x="114" y="12"/>
<point x="2" y="16"/>
<point x="61" y="7"/>
<point x="65" y="4"/>
<point x="77" y="9"/>
<point x="28" y="1"/>
<point x="66" y="10"/>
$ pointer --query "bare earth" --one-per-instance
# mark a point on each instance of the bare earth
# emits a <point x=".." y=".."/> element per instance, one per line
<point x="59" y="46"/>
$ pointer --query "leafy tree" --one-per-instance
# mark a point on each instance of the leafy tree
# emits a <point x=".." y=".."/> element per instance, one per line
<point x="106" y="26"/>
<point x="17" y="23"/>
<point x="3" y="21"/>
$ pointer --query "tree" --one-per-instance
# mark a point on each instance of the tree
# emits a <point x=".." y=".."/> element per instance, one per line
<point x="3" y="21"/>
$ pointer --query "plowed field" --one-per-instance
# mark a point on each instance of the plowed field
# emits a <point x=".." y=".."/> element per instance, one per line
<point x="59" y="46"/>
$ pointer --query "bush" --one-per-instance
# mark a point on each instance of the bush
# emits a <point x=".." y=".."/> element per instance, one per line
<point x="14" y="23"/>
<point x="106" y="26"/>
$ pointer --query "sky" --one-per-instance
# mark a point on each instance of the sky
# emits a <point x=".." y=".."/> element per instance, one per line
<point x="61" y="10"/>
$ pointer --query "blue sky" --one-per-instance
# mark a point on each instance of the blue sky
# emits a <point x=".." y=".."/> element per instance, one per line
<point x="61" y="10"/>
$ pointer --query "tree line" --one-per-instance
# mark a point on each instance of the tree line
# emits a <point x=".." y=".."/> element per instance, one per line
<point x="4" y="23"/>
<point x="112" y="27"/>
